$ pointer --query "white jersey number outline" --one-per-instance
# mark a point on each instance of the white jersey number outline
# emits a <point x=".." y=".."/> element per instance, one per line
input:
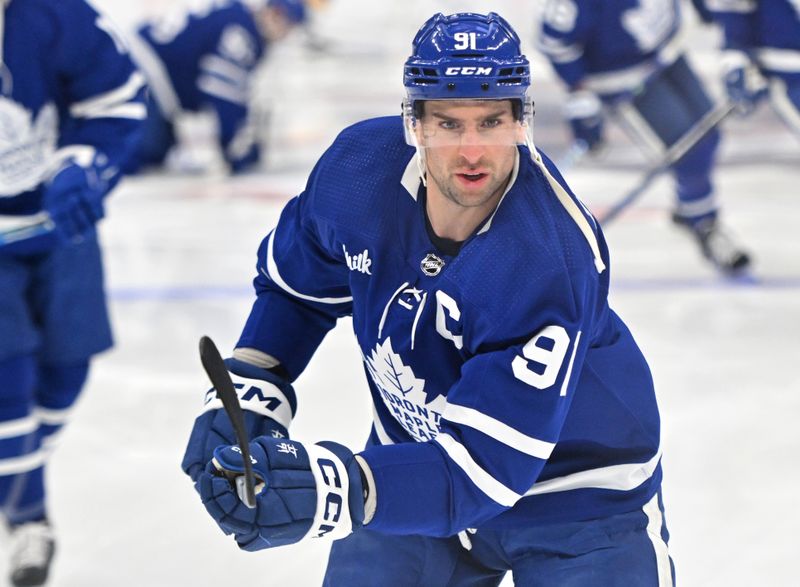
<point x="551" y="359"/>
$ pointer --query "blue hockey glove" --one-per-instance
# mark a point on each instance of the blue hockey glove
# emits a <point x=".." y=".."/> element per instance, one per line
<point x="584" y="111"/>
<point x="745" y="85"/>
<point x="268" y="403"/>
<point x="74" y="200"/>
<point x="302" y="492"/>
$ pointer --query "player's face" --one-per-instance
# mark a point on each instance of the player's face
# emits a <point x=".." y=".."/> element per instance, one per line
<point x="273" y="23"/>
<point x="470" y="148"/>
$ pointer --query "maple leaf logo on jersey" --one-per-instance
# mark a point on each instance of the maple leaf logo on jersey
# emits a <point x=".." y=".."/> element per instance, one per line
<point x="404" y="393"/>
<point x="26" y="146"/>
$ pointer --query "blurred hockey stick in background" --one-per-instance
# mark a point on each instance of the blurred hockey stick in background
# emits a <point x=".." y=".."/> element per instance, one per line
<point x="572" y="156"/>
<point x="221" y="380"/>
<point x="673" y="154"/>
<point x="17" y="228"/>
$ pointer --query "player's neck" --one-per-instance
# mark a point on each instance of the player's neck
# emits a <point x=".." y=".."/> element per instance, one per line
<point x="452" y="221"/>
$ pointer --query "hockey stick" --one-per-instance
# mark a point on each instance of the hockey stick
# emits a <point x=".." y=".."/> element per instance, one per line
<point x="221" y="380"/>
<point x="30" y="226"/>
<point x="673" y="154"/>
<point x="572" y="156"/>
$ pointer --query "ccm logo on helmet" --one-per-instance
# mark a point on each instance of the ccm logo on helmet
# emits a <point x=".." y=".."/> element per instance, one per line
<point x="468" y="71"/>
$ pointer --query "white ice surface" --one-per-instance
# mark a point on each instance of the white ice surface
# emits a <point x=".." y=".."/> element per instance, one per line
<point x="180" y="254"/>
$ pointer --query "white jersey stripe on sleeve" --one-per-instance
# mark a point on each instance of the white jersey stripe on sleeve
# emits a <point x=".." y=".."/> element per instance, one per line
<point x="499" y="431"/>
<point x="216" y="65"/>
<point x="20" y="427"/>
<point x="482" y="480"/>
<point x="623" y="477"/>
<point x="52" y="416"/>
<point x="654" y="522"/>
<point x="559" y="51"/>
<point x="783" y="60"/>
<point x="22" y="464"/>
<point x="274" y="275"/>
<point x="744" y="6"/>
<point x="222" y="89"/>
<point x="133" y="111"/>
<point x="109" y="100"/>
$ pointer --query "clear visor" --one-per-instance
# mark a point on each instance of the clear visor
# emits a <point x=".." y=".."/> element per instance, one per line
<point x="454" y="123"/>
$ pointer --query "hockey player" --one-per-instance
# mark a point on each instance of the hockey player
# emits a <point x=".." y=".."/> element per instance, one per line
<point x="71" y="110"/>
<point x="204" y="60"/>
<point x="762" y="54"/>
<point x="515" y="422"/>
<point x="625" y="56"/>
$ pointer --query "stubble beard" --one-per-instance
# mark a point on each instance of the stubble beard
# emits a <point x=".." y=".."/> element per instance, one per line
<point x="453" y="194"/>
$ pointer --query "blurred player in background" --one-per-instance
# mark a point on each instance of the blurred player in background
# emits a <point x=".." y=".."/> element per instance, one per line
<point x="761" y="54"/>
<point x="204" y="60"/>
<point x="71" y="111"/>
<point x="515" y="422"/>
<point x="625" y="56"/>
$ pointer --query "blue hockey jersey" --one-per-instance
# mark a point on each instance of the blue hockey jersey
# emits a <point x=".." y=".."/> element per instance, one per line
<point x="69" y="94"/>
<point x="505" y="390"/>
<point x="204" y="59"/>
<point x="610" y="46"/>
<point x="768" y="30"/>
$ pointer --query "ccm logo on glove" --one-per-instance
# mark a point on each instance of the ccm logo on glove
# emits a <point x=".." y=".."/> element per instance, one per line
<point x="333" y="499"/>
<point x="256" y="396"/>
<point x="333" y="516"/>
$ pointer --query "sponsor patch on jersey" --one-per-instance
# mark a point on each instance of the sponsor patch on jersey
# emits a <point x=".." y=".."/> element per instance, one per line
<point x="360" y="262"/>
<point x="431" y="265"/>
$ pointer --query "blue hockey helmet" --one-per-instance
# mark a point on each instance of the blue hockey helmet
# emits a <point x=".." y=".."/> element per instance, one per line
<point x="467" y="56"/>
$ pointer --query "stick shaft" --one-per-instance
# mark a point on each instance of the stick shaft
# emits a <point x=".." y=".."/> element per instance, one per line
<point x="221" y="380"/>
<point x="673" y="154"/>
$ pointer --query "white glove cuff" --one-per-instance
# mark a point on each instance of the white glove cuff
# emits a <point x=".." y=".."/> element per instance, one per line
<point x="332" y="518"/>
<point x="256" y="395"/>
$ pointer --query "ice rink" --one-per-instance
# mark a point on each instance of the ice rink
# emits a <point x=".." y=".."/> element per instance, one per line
<point x="180" y="255"/>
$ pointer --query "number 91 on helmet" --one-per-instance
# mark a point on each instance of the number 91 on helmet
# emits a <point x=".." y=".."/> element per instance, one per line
<point x="467" y="59"/>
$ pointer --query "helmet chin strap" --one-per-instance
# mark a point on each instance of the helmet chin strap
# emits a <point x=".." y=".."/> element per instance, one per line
<point x="423" y="176"/>
<point x="411" y="137"/>
<point x="531" y="146"/>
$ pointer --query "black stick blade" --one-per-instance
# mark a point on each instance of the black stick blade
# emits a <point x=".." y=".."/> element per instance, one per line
<point x="221" y="380"/>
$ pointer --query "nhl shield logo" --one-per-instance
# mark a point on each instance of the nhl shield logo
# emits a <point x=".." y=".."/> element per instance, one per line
<point x="431" y="265"/>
